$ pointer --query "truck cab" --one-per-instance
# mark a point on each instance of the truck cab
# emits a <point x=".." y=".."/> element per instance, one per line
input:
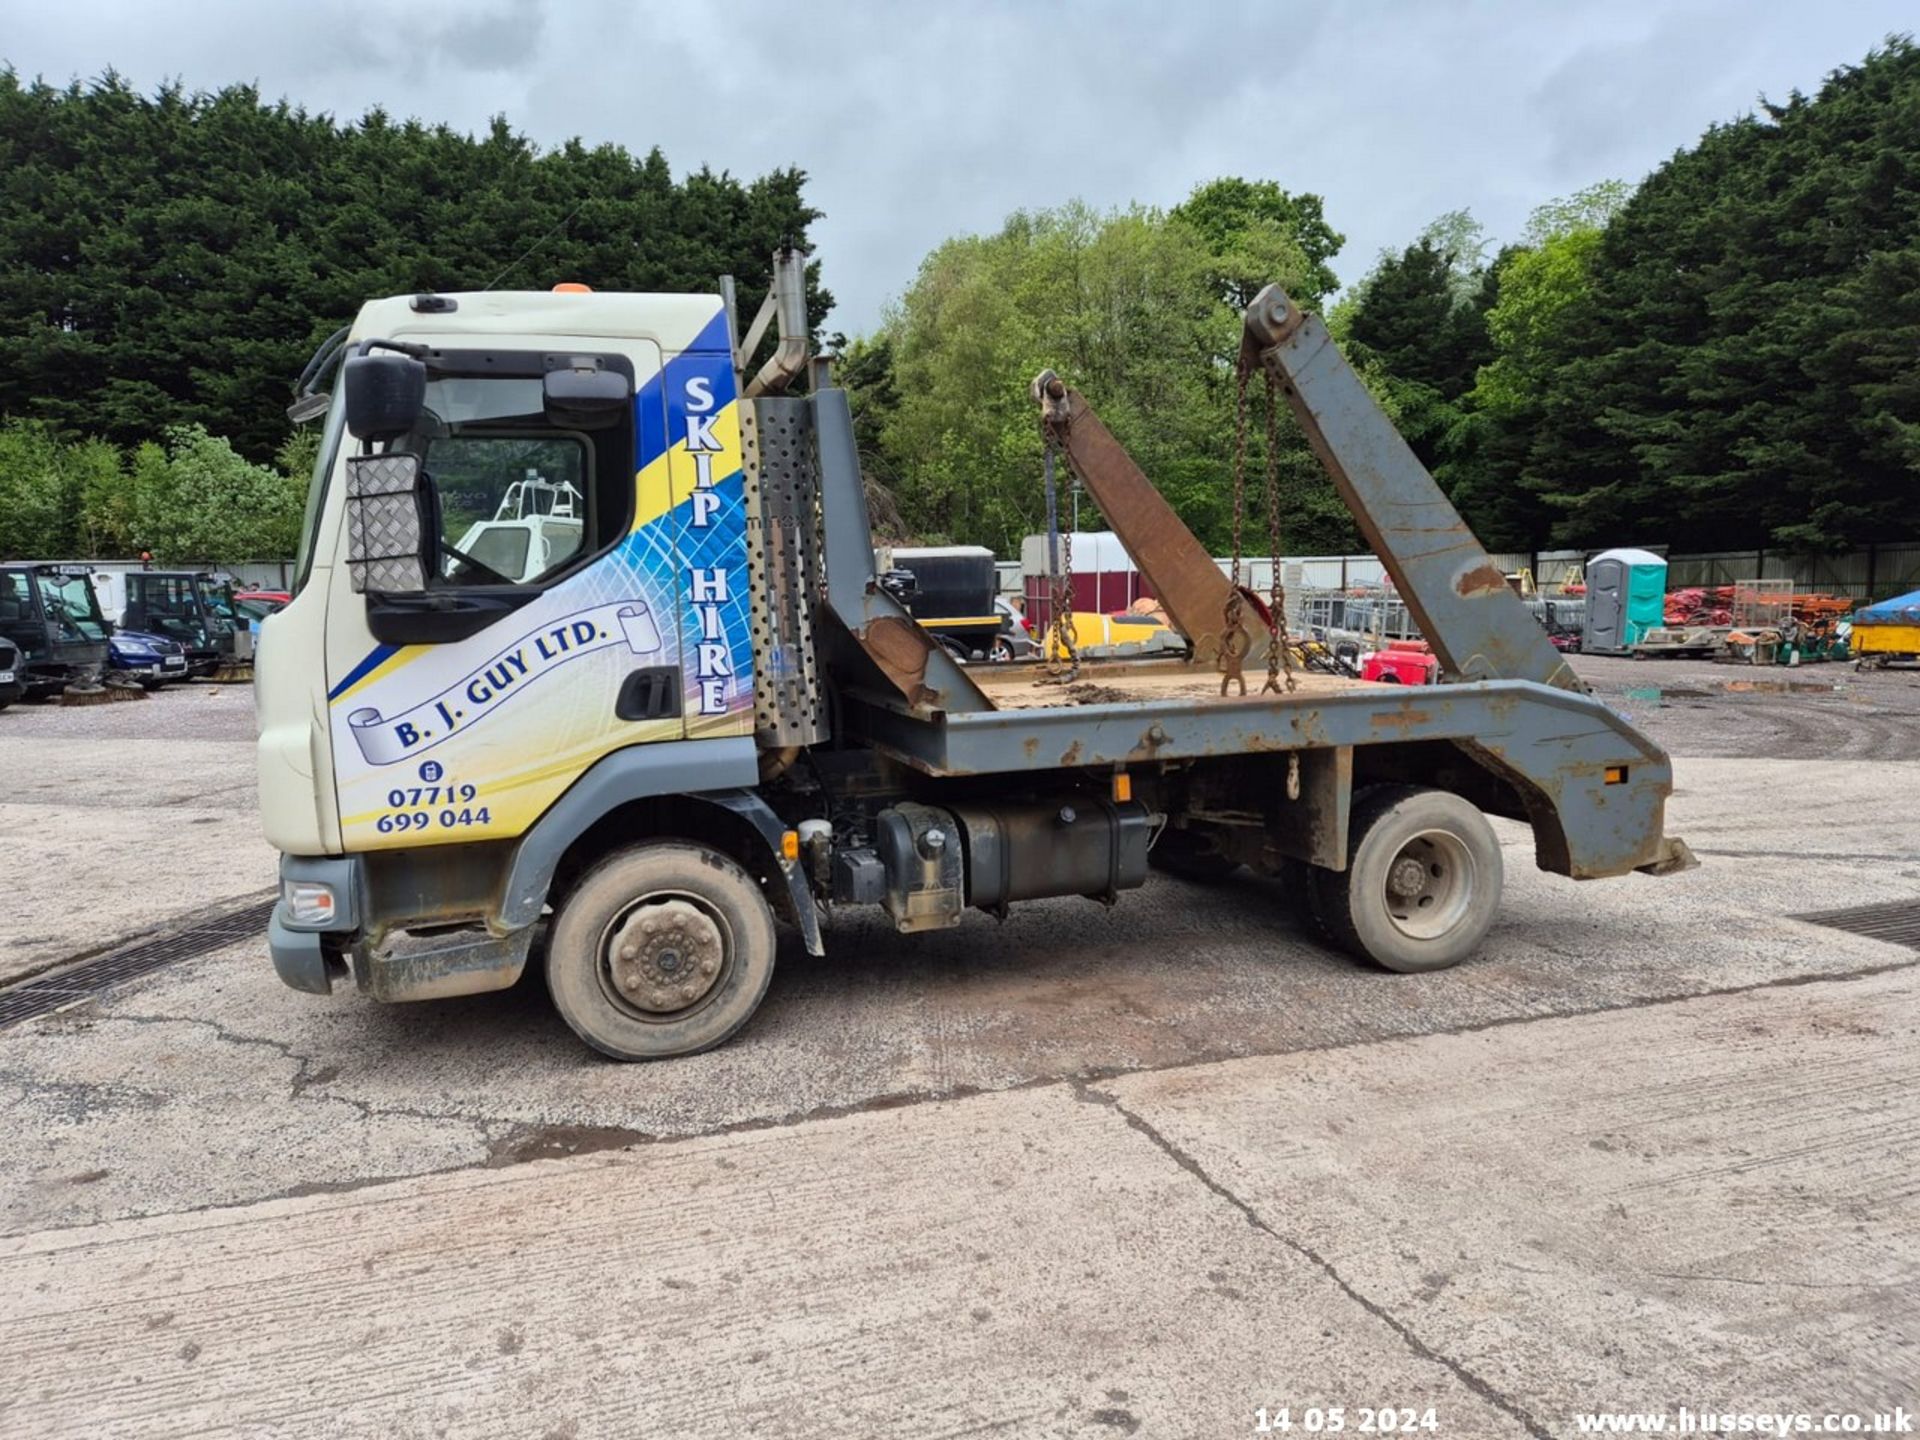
<point x="50" y="613"/>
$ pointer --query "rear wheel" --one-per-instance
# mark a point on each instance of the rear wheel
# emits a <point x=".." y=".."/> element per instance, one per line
<point x="663" y="949"/>
<point x="1422" y="882"/>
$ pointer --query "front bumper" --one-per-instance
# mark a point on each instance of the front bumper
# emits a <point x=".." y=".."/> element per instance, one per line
<point x="300" y="957"/>
<point x="309" y="958"/>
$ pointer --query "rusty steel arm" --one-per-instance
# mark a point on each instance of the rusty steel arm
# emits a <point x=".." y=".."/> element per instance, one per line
<point x="1183" y="576"/>
<point x="1461" y="601"/>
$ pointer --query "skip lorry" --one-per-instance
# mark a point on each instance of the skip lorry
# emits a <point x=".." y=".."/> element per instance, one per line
<point x="698" y="711"/>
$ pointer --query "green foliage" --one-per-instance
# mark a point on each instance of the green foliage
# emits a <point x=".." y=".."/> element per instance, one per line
<point x="195" y="499"/>
<point x="174" y="259"/>
<point x="1733" y="362"/>
<point x="1416" y="331"/>
<point x="1127" y="306"/>
<point x="38" y="492"/>
<point x="1252" y="226"/>
<point x="1535" y="286"/>
<point x="1585" y="210"/>
<point x="210" y="503"/>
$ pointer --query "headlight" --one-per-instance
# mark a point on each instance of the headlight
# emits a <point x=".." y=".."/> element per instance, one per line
<point x="308" y="902"/>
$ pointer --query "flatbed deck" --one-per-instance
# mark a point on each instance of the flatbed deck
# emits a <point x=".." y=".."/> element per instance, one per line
<point x="1029" y="687"/>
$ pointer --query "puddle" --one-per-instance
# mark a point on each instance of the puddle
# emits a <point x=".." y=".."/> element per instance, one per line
<point x="1707" y="689"/>
<point x="1782" y="687"/>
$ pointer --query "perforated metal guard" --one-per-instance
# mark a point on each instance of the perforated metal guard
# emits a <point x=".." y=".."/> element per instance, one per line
<point x="783" y="504"/>
<point x="55" y="991"/>
<point x="1897" y="922"/>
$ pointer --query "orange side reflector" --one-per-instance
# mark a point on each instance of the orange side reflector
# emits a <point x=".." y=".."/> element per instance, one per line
<point x="1616" y="774"/>
<point x="1122" y="787"/>
<point x="790" y="844"/>
<point x="572" y="287"/>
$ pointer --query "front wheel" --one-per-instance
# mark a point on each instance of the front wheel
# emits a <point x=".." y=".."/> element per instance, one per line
<point x="663" y="949"/>
<point x="1422" y="882"/>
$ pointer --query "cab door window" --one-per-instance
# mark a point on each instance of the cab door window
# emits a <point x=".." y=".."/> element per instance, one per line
<point x="520" y="501"/>
<point x="511" y="506"/>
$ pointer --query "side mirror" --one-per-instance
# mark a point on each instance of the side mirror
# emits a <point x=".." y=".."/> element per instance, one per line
<point x="385" y="394"/>
<point x="580" y="394"/>
<point x="386" y="523"/>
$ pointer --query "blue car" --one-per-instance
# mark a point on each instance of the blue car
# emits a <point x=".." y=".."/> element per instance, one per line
<point x="153" y="660"/>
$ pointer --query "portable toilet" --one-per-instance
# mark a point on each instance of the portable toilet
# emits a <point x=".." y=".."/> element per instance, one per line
<point x="1626" y="597"/>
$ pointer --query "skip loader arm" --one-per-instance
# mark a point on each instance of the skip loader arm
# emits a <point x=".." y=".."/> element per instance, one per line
<point x="1183" y="576"/>
<point x="1461" y="601"/>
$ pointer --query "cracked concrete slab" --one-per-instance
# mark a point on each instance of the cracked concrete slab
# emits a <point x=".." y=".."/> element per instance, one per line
<point x="292" y="1215"/>
<point x="1709" y="1202"/>
<point x="106" y="841"/>
<point x="1174" y="975"/>
<point x="1506" y="1226"/>
<point x="1019" y="1263"/>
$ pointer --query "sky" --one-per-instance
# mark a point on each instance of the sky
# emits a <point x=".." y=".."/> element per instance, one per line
<point x="916" y="122"/>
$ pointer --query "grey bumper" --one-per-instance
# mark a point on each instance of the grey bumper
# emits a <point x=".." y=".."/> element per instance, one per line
<point x="298" y="957"/>
<point x="300" y="954"/>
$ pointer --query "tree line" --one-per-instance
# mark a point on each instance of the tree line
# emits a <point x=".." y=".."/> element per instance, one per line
<point x="1726" y="355"/>
<point x="168" y="262"/>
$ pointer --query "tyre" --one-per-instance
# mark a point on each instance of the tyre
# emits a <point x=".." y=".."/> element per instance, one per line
<point x="663" y="949"/>
<point x="1188" y="857"/>
<point x="1422" y="882"/>
<point x="1002" y="652"/>
<point x="1295" y="879"/>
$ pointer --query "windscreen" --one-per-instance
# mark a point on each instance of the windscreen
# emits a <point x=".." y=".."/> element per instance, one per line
<point x="72" y="609"/>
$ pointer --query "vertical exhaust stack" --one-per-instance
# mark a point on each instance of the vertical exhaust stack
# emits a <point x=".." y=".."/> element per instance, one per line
<point x="786" y="303"/>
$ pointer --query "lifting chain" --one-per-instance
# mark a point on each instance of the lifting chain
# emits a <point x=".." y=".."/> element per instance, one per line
<point x="1063" y="652"/>
<point x="1279" y="648"/>
<point x="1234" y="639"/>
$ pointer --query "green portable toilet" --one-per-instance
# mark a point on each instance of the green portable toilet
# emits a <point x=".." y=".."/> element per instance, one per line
<point x="1626" y="597"/>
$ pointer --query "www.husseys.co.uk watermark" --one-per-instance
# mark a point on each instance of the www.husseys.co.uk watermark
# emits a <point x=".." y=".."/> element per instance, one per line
<point x="1740" y="1422"/>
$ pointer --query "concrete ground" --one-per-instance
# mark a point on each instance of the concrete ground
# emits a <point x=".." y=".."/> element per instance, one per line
<point x="1086" y="1173"/>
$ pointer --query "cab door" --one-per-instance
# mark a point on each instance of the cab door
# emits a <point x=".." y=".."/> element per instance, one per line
<point x="555" y="642"/>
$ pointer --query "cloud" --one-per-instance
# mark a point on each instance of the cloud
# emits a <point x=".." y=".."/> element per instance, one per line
<point x="918" y="122"/>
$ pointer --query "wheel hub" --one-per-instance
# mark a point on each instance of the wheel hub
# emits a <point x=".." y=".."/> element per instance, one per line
<point x="665" y="956"/>
<point x="1408" y="878"/>
<point x="1429" y="885"/>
